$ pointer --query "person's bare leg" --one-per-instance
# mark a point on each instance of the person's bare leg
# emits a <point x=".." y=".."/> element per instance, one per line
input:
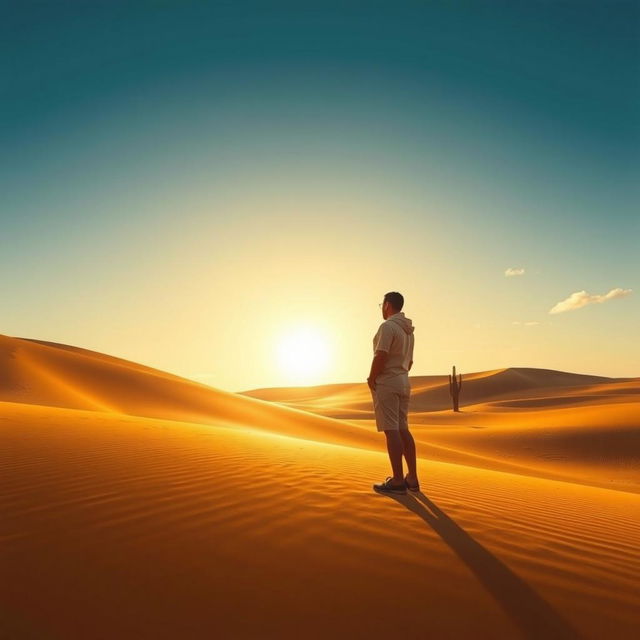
<point x="395" y="448"/>
<point x="409" y="455"/>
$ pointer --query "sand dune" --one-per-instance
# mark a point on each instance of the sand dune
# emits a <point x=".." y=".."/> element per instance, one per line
<point x="431" y="393"/>
<point x="137" y="504"/>
<point x="545" y="423"/>
<point x="61" y="376"/>
<point x="128" y="527"/>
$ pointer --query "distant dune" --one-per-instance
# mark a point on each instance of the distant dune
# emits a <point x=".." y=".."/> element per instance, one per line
<point x="138" y="504"/>
<point x="540" y="422"/>
<point x="431" y="393"/>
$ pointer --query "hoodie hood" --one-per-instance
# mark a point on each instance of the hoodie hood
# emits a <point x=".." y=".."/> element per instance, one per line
<point x="401" y="320"/>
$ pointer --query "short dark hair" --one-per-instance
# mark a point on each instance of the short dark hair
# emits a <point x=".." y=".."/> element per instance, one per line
<point x="395" y="299"/>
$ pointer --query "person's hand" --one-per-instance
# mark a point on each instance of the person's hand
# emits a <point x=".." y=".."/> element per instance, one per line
<point x="372" y="384"/>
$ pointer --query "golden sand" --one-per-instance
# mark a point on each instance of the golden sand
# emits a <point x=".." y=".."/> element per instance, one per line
<point x="137" y="504"/>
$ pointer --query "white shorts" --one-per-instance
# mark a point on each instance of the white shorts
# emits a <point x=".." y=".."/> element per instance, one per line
<point x="391" y="406"/>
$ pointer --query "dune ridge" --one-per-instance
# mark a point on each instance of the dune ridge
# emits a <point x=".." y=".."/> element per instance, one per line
<point x="533" y="428"/>
<point x="59" y="376"/>
<point x="431" y="393"/>
<point x="545" y="423"/>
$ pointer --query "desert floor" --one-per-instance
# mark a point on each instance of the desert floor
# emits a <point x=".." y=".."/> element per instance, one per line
<point x="138" y="504"/>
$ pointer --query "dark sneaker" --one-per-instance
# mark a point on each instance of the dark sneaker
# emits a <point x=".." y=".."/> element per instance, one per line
<point x="387" y="487"/>
<point x="411" y="487"/>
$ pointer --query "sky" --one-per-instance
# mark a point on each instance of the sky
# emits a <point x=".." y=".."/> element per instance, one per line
<point x="225" y="191"/>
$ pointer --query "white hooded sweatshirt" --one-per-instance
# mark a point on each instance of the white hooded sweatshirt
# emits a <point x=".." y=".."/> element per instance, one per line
<point x="395" y="336"/>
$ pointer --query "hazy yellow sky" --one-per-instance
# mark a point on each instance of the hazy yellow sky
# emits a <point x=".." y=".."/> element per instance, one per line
<point x="215" y="293"/>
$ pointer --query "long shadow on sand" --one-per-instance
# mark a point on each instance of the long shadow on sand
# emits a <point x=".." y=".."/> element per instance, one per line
<point x="531" y="614"/>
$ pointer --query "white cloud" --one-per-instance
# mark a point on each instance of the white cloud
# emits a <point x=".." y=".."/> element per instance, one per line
<point x="582" y="299"/>
<point x="514" y="271"/>
<point x="531" y="324"/>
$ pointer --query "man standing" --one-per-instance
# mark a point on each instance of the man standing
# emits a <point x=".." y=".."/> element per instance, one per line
<point x="390" y="388"/>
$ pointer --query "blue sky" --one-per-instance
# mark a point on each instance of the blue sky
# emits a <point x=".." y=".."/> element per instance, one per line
<point x="156" y="154"/>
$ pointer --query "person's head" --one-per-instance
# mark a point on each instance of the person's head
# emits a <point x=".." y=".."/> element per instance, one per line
<point x="392" y="303"/>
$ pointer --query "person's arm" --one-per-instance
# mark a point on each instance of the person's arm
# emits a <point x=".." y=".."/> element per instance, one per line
<point x="379" y="360"/>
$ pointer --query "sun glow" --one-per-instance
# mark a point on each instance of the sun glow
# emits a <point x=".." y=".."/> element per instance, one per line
<point x="303" y="354"/>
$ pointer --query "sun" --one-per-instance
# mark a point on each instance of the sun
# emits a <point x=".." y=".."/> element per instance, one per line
<point x="303" y="354"/>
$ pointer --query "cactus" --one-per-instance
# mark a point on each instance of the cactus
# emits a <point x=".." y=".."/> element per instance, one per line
<point x="455" y="384"/>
